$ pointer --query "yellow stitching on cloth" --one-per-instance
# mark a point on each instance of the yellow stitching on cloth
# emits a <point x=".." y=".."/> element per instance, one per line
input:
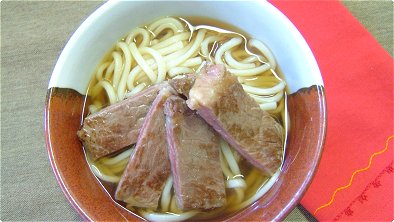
<point x="354" y="173"/>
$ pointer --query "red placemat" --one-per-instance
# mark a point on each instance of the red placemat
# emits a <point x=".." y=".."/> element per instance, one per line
<point x="355" y="176"/>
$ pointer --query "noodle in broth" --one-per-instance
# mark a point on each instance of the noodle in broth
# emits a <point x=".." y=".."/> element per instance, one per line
<point x="169" y="48"/>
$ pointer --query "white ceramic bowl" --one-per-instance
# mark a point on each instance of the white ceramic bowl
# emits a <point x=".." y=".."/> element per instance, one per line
<point x="114" y="20"/>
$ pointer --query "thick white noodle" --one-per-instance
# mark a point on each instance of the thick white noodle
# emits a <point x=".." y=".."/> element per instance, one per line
<point x="166" y="195"/>
<point x="112" y="97"/>
<point x="235" y="64"/>
<point x="154" y="42"/>
<point x="264" y="50"/>
<point x="261" y="191"/>
<point x="205" y="44"/>
<point x="250" y="59"/>
<point x="136" y="32"/>
<point x="161" y="65"/>
<point x="143" y="79"/>
<point x="110" y="70"/>
<point x="93" y="109"/>
<point x="237" y="156"/>
<point x="171" y="48"/>
<point x="236" y="183"/>
<point x="120" y="163"/>
<point x="168" y="217"/>
<point x="268" y="80"/>
<point x="264" y="91"/>
<point x="141" y="62"/>
<point x="250" y="72"/>
<point x="116" y="159"/>
<point x="225" y="47"/>
<point x="137" y="70"/>
<point x="136" y="90"/>
<point x="174" y="206"/>
<point x="119" y="168"/>
<point x="178" y="53"/>
<point x="166" y="36"/>
<point x="196" y="61"/>
<point x="268" y="99"/>
<point x="189" y="53"/>
<point x="226" y="171"/>
<point x="201" y="66"/>
<point x="118" y="68"/>
<point x="179" y="70"/>
<point x="167" y="20"/>
<point x="102" y="176"/>
<point x="126" y="69"/>
<point x="135" y="73"/>
<point x="268" y="106"/>
<point x="232" y="163"/>
<point x="100" y="71"/>
<point x="164" y="26"/>
<point x="176" y="38"/>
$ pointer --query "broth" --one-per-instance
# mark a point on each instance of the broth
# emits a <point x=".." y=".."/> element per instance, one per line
<point x="109" y="169"/>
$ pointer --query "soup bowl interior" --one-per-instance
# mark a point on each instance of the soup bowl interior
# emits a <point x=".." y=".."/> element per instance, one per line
<point x="112" y="21"/>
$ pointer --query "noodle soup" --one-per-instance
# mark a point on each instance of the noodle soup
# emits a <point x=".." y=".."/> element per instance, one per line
<point x="169" y="48"/>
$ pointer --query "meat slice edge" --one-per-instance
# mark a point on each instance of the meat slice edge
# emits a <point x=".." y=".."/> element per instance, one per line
<point x="183" y="84"/>
<point x="143" y="180"/>
<point x="116" y="126"/>
<point x="220" y="99"/>
<point x="195" y="158"/>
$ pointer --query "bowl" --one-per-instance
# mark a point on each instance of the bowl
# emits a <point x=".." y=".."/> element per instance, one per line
<point x="69" y="81"/>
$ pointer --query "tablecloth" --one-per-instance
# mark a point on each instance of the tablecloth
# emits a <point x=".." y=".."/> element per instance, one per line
<point x="32" y="37"/>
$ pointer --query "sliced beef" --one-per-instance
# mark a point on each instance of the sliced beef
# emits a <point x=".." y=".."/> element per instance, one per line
<point x="118" y="125"/>
<point x="183" y="84"/>
<point x="143" y="180"/>
<point x="220" y="99"/>
<point x="194" y="154"/>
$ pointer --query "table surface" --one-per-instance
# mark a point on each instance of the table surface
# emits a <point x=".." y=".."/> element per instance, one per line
<point x="32" y="36"/>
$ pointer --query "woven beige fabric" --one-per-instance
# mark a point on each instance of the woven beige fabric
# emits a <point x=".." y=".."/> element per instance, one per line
<point x="32" y="37"/>
<point x="377" y="17"/>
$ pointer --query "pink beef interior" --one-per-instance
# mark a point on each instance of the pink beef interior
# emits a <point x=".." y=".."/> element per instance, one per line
<point x="183" y="85"/>
<point x="143" y="180"/>
<point x="220" y="99"/>
<point x="116" y="126"/>
<point x="194" y="155"/>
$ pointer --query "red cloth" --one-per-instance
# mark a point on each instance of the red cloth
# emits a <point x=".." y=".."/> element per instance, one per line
<point x="358" y="77"/>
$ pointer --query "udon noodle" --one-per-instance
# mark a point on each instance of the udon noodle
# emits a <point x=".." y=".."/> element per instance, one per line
<point x="169" y="48"/>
